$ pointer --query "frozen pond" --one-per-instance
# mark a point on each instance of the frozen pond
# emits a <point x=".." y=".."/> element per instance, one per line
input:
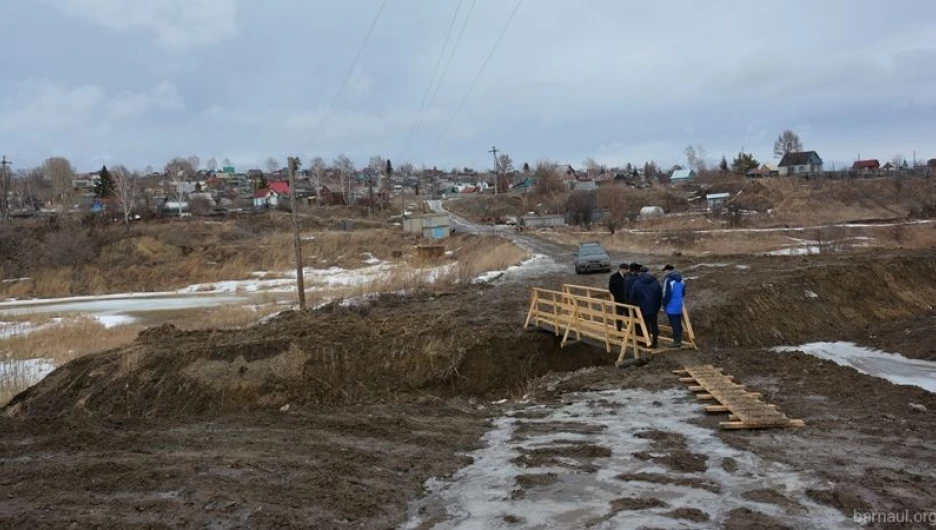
<point x="122" y="309"/>
<point x="890" y="366"/>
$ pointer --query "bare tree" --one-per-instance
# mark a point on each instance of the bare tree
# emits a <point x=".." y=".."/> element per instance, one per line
<point x="787" y="142"/>
<point x="125" y="190"/>
<point x="226" y="162"/>
<point x="345" y="168"/>
<point x="548" y="180"/>
<point x="59" y="171"/>
<point x="695" y="157"/>
<point x="211" y="164"/>
<point x="181" y="168"/>
<point x="504" y="164"/>
<point x="317" y="167"/>
<point x="899" y="162"/>
<point x="406" y="169"/>
<point x="195" y="161"/>
<point x="271" y="164"/>
<point x="592" y="168"/>
<point x="613" y="199"/>
<point x="148" y="170"/>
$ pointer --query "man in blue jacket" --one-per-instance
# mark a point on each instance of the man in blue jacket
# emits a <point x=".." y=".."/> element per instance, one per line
<point x="674" y="293"/>
<point x="648" y="295"/>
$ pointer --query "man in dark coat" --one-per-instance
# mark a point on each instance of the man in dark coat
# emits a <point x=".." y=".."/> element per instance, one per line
<point x="648" y="295"/>
<point x="617" y="288"/>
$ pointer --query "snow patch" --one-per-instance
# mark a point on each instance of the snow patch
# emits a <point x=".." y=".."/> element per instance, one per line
<point x="25" y="372"/>
<point x="113" y="321"/>
<point x="890" y="366"/>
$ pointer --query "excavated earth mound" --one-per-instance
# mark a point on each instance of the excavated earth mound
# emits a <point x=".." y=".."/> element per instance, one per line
<point x="395" y="349"/>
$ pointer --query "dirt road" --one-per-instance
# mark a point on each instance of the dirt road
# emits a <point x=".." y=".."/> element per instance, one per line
<point x="355" y="417"/>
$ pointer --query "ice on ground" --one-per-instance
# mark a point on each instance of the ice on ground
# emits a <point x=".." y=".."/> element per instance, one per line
<point x="527" y="267"/>
<point x="890" y="366"/>
<point x="371" y="259"/>
<point x="742" y="267"/>
<point x="115" y="320"/>
<point x="25" y="372"/>
<point x="795" y="251"/>
<point x="486" y="494"/>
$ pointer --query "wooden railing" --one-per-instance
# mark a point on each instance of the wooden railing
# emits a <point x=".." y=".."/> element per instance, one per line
<point x="666" y="331"/>
<point x="588" y="313"/>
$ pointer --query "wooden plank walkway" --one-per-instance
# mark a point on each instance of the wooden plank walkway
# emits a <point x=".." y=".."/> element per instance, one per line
<point x="746" y="409"/>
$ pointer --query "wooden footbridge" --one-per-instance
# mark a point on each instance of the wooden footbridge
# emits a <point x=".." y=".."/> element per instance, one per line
<point x="589" y="314"/>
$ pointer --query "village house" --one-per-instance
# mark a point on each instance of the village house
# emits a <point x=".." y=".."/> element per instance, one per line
<point x="716" y="200"/>
<point x="866" y="166"/>
<point x="271" y="196"/>
<point x="800" y="163"/>
<point x="682" y="175"/>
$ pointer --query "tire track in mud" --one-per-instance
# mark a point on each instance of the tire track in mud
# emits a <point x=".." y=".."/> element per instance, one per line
<point x="613" y="459"/>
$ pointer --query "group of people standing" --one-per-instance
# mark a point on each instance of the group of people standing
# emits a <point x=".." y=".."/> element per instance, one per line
<point x="635" y="285"/>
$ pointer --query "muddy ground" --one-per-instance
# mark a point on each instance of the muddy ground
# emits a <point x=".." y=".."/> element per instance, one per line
<point x="337" y="419"/>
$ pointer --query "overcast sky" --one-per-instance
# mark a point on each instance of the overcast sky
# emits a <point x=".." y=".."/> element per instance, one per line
<point x="137" y="82"/>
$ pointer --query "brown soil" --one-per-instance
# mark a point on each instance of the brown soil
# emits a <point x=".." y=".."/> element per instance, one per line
<point x="537" y="481"/>
<point x="770" y="497"/>
<point x="184" y="429"/>
<point x="581" y="452"/>
<point x="306" y="469"/>
<point x="655" y="478"/>
<point x="689" y="514"/>
<point x="394" y="350"/>
<point x="529" y="429"/>
<point x="743" y="519"/>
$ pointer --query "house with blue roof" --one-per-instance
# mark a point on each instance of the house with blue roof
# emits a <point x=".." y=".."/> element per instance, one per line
<point x="683" y="175"/>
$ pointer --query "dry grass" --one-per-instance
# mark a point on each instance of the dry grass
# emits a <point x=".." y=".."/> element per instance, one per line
<point x="837" y="239"/>
<point x="76" y="336"/>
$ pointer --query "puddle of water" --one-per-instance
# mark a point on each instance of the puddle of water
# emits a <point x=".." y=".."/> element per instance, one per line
<point x="480" y="495"/>
<point x="890" y="366"/>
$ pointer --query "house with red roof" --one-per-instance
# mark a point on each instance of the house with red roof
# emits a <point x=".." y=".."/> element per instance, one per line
<point x="272" y="195"/>
<point x="866" y="165"/>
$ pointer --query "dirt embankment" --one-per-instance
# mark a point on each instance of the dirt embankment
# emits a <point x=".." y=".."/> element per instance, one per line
<point x="396" y="349"/>
<point x="831" y="299"/>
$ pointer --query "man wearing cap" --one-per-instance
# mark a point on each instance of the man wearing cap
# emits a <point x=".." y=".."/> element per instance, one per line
<point x="617" y="287"/>
<point x="648" y="295"/>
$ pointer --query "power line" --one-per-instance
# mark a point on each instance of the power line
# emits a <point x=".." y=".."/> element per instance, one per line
<point x="448" y="64"/>
<point x="354" y="64"/>
<point x="422" y="106"/>
<point x="477" y="77"/>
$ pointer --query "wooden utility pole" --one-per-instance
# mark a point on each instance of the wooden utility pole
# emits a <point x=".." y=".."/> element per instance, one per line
<point x="5" y="191"/>
<point x="494" y="152"/>
<point x="293" y="166"/>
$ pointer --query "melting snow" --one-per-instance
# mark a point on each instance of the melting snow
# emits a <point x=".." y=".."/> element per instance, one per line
<point x="531" y="266"/>
<point x="113" y="321"/>
<point x="890" y="366"/>
<point x="481" y="495"/>
<point x="29" y="371"/>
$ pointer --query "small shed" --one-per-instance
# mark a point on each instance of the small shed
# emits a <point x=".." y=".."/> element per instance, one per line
<point x="651" y="212"/>
<point x="430" y="226"/>
<point x="542" y="221"/>
<point x="715" y="200"/>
